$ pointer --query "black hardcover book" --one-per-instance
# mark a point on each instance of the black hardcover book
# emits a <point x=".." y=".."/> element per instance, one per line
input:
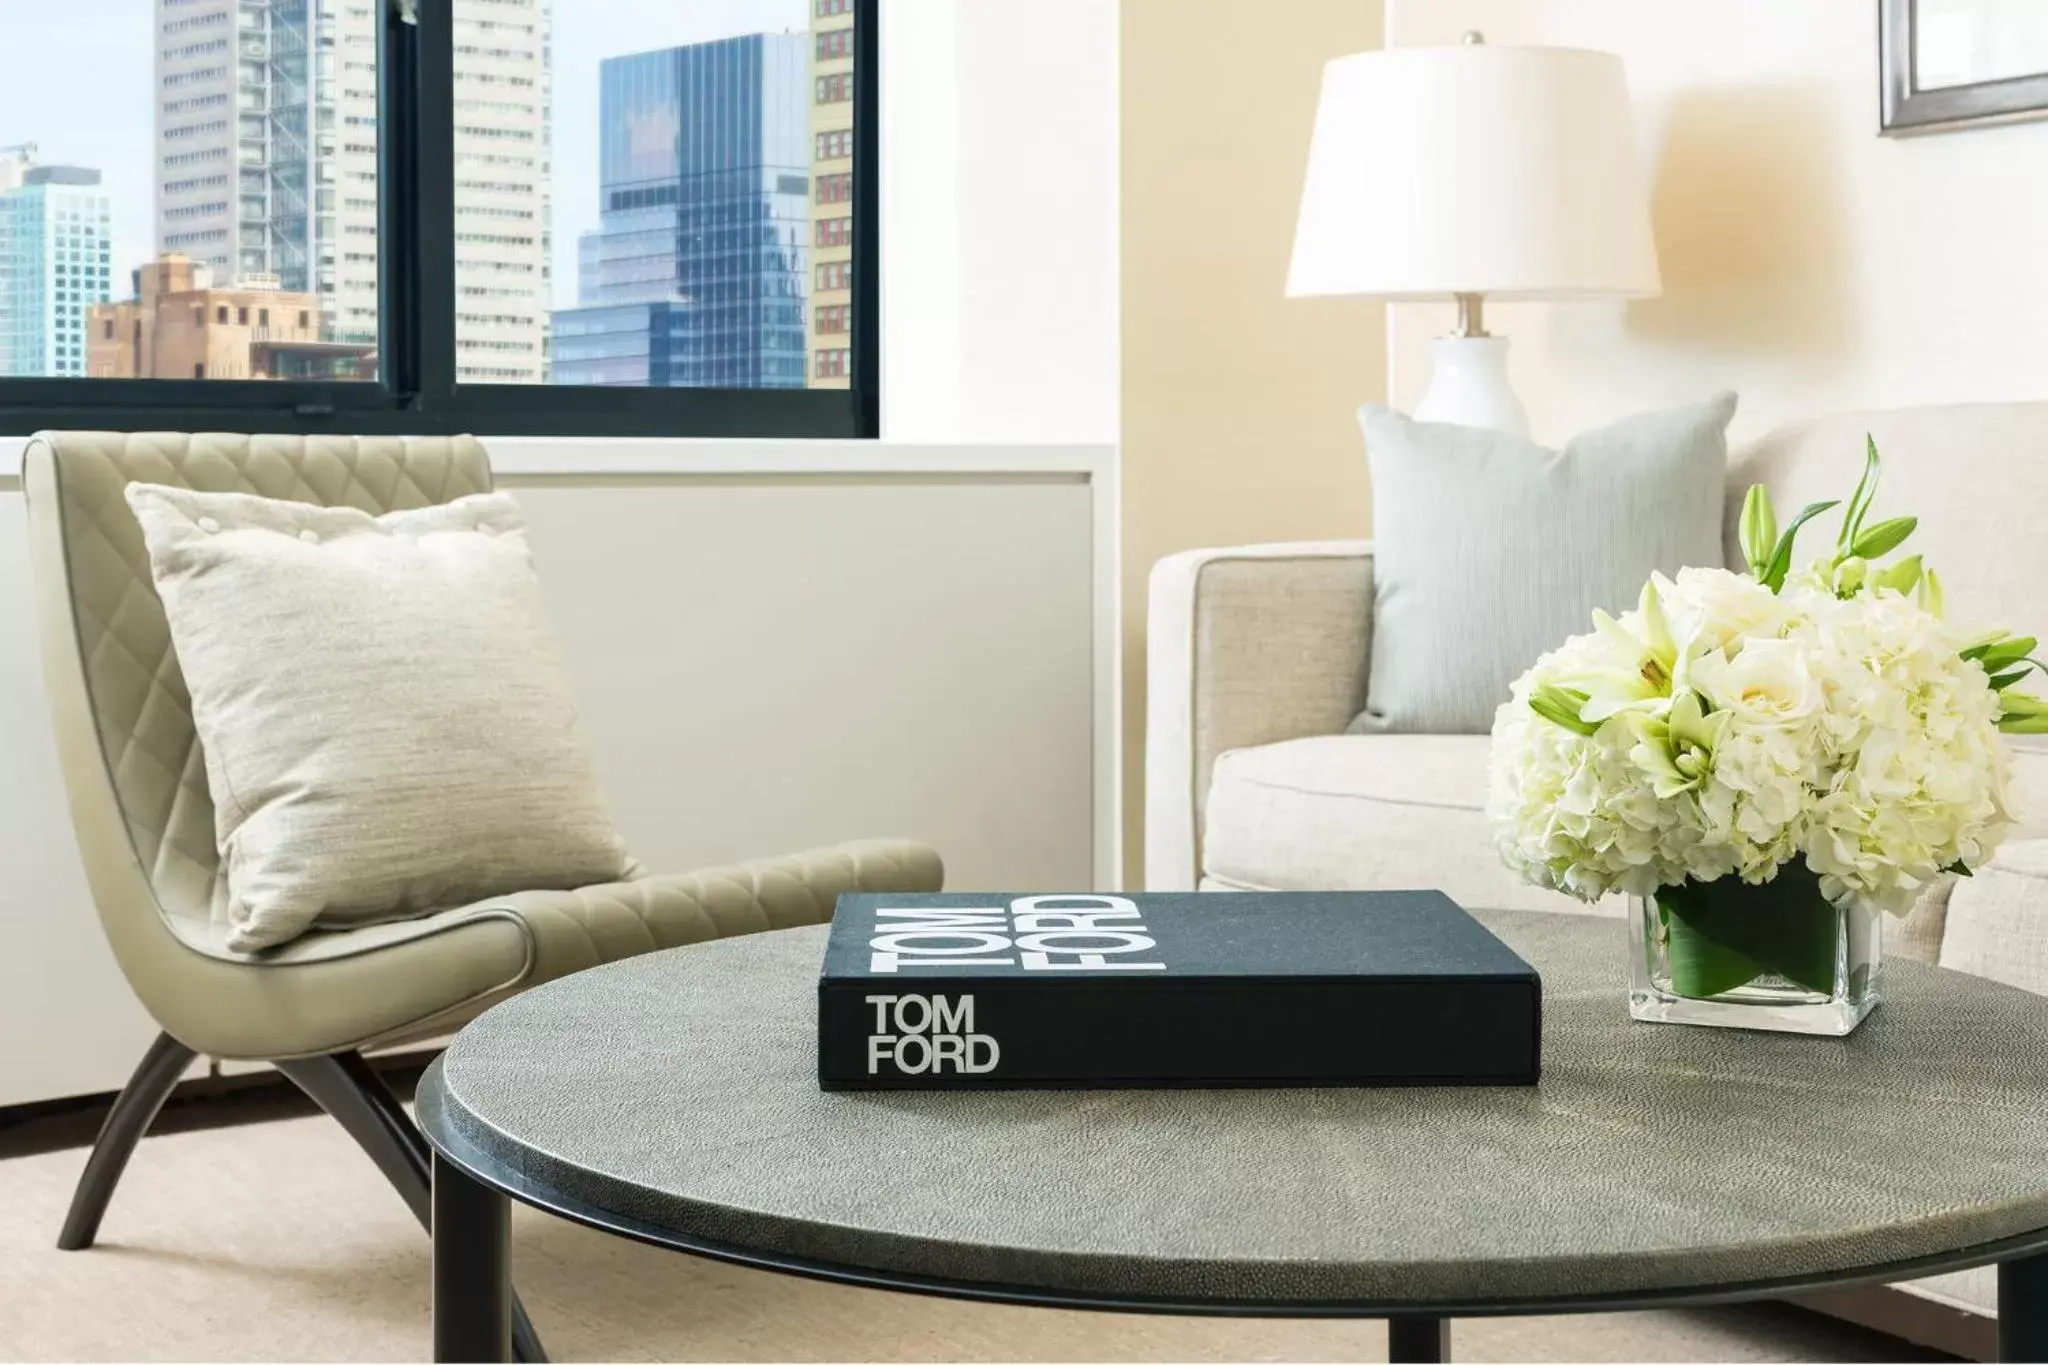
<point x="942" y="992"/>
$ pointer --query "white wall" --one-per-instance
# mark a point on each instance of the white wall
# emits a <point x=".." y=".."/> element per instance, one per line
<point x="774" y="645"/>
<point x="1808" y="263"/>
<point x="999" y="226"/>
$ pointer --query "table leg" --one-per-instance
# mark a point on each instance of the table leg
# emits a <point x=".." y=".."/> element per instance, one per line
<point x="472" y="1268"/>
<point x="1422" y="1340"/>
<point x="2023" y="1308"/>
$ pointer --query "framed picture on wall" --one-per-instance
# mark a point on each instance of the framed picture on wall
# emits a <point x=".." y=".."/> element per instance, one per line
<point x="1949" y="64"/>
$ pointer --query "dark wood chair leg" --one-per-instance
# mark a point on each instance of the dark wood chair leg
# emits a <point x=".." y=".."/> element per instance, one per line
<point x="350" y="1090"/>
<point x="135" y="1108"/>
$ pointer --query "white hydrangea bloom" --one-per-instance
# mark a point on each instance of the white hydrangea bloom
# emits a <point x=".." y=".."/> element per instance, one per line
<point x="1849" y="732"/>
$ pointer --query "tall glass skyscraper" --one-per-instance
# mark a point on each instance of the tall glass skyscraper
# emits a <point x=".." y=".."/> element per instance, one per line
<point x="695" y="274"/>
<point x="55" y="229"/>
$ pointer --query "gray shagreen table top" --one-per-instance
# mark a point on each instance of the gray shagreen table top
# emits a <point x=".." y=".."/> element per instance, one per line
<point x="679" y="1091"/>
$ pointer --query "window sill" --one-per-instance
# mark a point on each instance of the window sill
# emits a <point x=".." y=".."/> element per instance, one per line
<point x="520" y="458"/>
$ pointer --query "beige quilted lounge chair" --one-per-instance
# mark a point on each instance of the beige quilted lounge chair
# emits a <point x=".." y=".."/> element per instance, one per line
<point x="136" y="779"/>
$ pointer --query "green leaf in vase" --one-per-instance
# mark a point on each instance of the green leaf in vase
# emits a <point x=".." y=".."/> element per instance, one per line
<point x="1702" y="967"/>
<point x="1784" y="926"/>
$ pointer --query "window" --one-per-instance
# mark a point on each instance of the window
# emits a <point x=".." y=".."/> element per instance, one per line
<point x="171" y="214"/>
<point x="831" y="364"/>
<point x="672" y="266"/>
<point x="566" y="231"/>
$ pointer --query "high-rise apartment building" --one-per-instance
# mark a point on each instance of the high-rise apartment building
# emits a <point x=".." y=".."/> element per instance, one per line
<point x="830" y="331"/>
<point x="504" y="190"/>
<point x="55" y="263"/>
<point x="695" y="274"/>
<point x="266" y="156"/>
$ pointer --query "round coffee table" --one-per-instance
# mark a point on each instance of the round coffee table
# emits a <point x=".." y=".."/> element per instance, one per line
<point x="673" y="1098"/>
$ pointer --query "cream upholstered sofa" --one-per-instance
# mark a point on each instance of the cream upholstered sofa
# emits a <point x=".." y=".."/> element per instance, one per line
<point x="1258" y="658"/>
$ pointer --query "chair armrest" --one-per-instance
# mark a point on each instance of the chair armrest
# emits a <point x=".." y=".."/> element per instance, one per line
<point x="574" y="930"/>
<point x="1248" y="645"/>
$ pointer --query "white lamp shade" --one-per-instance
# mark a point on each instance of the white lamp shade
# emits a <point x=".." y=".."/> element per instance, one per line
<point x="1505" y="171"/>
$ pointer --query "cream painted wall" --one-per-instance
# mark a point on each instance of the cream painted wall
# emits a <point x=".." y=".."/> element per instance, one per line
<point x="1809" y="264"/>
<point x="1237" y="402"/>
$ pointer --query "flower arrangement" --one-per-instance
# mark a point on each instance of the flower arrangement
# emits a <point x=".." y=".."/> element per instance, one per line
<point x="1743" y="751"/>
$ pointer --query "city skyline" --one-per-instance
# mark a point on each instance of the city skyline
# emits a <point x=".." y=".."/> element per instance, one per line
<point x="161" y="208"/>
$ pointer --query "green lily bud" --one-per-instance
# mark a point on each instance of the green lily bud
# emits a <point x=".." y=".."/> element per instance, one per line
<point x="1560" y="706"/>
<point x="1759" y="529"/>
<point x="2021" y="704"/>
<point x="1902" y="577"/>
<point x="1877" y="541"/>
<point x="2003" y="655"/>
<point x="1930" y="594"/>
<point x="1849" y="575"/>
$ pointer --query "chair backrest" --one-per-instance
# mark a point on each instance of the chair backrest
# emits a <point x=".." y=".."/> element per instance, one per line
<point x="133" y="768"/>
<point x="1976" y="475"/>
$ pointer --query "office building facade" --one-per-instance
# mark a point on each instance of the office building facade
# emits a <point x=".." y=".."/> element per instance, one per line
<point x="55" y="263"/>
<point x="829" y="333"/>
<point x="179" y="326"/>
<point x="266" y="162"/>
<point x="695" y="275"/>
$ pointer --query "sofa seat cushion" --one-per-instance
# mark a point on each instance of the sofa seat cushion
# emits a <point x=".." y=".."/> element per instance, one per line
<point x="1363" y="813"/>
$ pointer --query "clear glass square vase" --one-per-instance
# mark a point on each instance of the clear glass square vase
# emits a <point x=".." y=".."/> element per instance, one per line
<point x="1776" y="957"/>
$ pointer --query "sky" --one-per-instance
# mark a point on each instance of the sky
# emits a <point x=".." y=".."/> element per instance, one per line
<point x="75" y="79"/>
<point x="52" y="53"/>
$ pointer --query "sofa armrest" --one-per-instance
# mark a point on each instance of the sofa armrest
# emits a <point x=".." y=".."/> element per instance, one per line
<point x="1997" y="924"/>
<point x="1248" y="645"/>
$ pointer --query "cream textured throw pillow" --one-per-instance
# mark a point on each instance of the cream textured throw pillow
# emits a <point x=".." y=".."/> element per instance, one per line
<point x="387" y="721"/>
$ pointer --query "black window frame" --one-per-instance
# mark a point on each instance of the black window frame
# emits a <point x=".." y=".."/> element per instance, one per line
<point x="416" y="391"/>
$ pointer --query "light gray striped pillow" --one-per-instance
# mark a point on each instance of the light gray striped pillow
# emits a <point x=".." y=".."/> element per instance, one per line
<point x="386" y="717"/>
<point x="1489" y="550"/>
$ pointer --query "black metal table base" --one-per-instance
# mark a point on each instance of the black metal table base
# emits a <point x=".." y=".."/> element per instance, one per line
<point x="1418" y="1340"/>
<point x="2023" y="1308"/>
<point x="472" y="1267"/>
<point x="473" y="1286"/>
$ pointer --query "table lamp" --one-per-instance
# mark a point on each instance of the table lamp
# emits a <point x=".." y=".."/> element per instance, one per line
<point x="1470" y="173"/>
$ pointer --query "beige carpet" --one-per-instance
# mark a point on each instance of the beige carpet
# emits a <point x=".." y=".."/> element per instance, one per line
<point x="278" y="1241"/>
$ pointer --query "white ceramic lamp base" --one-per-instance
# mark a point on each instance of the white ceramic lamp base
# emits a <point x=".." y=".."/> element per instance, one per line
<point x="1468" y="385"/>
